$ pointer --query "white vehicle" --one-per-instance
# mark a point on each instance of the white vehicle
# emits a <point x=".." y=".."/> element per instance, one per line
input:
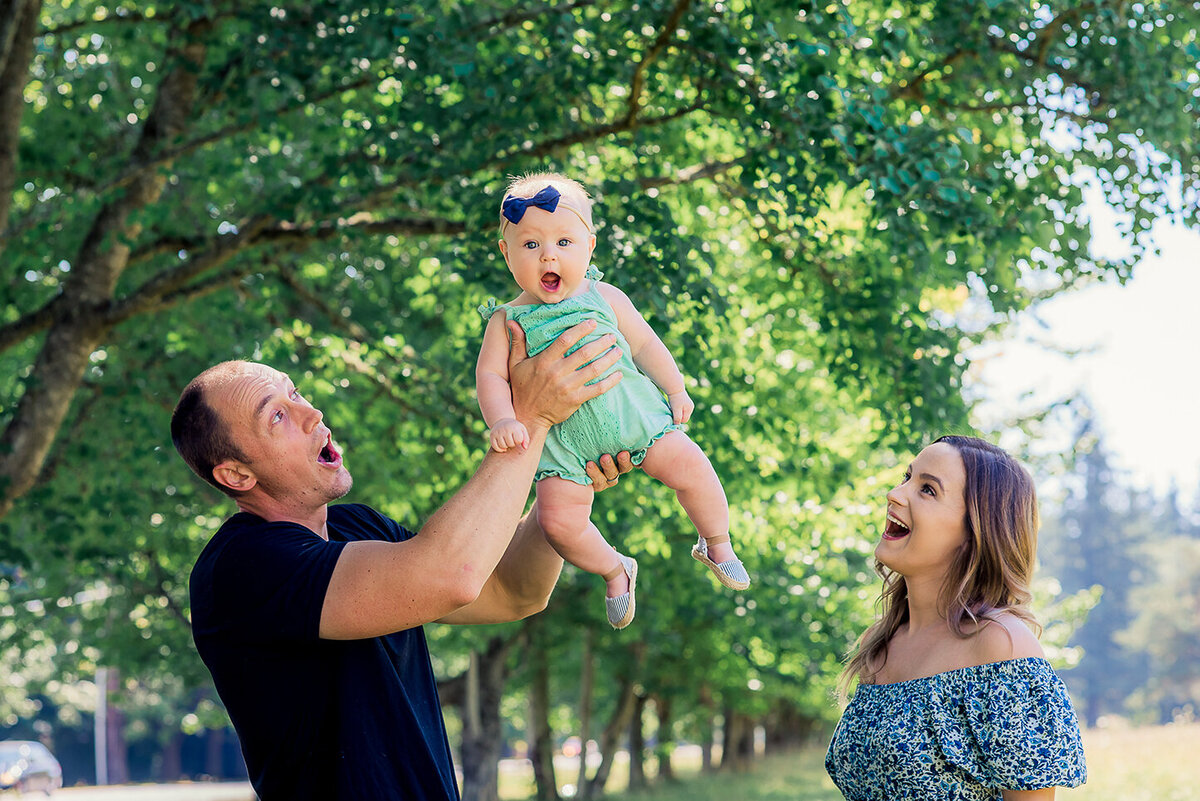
<point x="27" y="765"/>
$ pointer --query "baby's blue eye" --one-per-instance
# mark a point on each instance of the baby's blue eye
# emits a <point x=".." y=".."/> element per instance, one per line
<point x="529" y="245"/>
<point x="562" y="243"/>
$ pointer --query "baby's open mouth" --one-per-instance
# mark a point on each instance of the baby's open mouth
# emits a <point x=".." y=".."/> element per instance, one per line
<point x="551" y="282"/>
<point x="895" y="530"/>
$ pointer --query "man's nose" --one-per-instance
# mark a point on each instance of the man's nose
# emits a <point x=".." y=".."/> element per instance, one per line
<point x="313" y="419"/>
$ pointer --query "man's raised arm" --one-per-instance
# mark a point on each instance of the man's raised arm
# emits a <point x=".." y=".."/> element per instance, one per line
<point x="380" y="587"/>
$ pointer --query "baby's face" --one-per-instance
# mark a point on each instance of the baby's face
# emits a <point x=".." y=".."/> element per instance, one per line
<point x="548" y="253"/>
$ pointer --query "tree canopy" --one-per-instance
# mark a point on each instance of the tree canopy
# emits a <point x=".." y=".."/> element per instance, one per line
<point x="804" y="199"/>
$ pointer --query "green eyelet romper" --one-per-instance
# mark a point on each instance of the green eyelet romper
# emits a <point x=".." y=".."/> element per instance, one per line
<point x="631" y="416"/>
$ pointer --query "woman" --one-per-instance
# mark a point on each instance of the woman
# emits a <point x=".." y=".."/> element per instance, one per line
<point x="955" y="699"/>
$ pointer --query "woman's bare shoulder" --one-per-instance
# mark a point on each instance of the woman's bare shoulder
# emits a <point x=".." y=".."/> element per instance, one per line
<point x="1005" y="636"/>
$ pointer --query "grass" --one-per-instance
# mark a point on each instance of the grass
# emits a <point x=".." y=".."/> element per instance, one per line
<point x="1142" y="764"/>
<point x="1147" y="764"/>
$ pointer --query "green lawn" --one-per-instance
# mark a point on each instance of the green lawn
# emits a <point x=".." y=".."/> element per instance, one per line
<point x="1150" y="764"/>
<point x="1146" y="764"/>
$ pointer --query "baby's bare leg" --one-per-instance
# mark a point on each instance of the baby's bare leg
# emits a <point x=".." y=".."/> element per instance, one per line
<point x="564" y="512"/>
<point x="680" y="464"/>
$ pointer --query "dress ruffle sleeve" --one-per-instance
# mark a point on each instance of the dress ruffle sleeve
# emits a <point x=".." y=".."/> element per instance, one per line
<point x="486" y="310"/>
<point x="1012" y="727"/>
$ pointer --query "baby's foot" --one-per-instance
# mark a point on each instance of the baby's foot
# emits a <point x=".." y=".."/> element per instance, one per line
<point x="618" y="584"/>
<point x="620" y="607"/>
<point x="720" y="551"/>
<point x="717" y="554"/>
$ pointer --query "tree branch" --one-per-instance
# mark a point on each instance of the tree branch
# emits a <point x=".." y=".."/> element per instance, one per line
<point x="911" y="87"/>
<point x="696" y="172"/>
<point x="354" y="360"/>
<point x="118" y="18"/>
<point x="497" y="25"/>
<point x="542" y="149"/>
<point x="637" y="83"/>
<point x="170" y="155"/>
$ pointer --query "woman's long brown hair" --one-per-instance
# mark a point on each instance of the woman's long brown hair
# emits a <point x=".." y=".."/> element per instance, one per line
<point x="991" y="573"/>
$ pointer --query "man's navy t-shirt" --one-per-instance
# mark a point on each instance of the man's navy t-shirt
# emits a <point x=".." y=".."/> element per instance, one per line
<point x="317" y="719"/>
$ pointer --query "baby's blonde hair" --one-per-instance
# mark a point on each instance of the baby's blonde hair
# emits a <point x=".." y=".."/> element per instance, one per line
<point x="573" y="193"/>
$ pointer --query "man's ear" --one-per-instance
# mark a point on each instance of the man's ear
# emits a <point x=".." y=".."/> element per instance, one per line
<point x="234" y="475"/>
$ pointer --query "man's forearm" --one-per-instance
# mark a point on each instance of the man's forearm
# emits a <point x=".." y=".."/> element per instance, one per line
<point x="474" y="528"/>
<point x="522" y="582"/>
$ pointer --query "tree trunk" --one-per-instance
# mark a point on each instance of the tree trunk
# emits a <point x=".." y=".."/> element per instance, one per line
<point x="737" y="742"/>
<point x="18" y="27"/>
<point x="114" y="735"/>
<point x="214" y="753"/>
<point x="79" y="316"/>
<point x="541" y="745"/>
<point x="586" y="686"/>
<point x="637" y="744"/>
<point x="618" y="723"/>
<point x="666" y="742"/>
<point x="788" y="728"/>
<point x="171" y="769"/>
<point x="483" y="734"/>
<point x="707" y="740"/>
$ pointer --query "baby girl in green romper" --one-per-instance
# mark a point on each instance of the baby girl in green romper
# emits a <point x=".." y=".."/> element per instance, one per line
<point x="548" y="239"/>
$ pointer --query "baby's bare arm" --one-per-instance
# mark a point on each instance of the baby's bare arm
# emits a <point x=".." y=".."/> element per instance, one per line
<point x="491" y="373"/>
<point x="646" y="349"/>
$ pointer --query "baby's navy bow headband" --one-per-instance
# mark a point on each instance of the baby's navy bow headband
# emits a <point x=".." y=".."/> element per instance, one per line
<point x="513" y="208"/>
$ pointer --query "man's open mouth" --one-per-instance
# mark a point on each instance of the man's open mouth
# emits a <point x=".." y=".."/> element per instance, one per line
<point x="329" y="455"/>
<point x="551" y="282"/>
<point x="895" y="530"/>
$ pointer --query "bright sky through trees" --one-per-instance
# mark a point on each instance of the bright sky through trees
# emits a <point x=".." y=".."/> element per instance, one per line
<point x="1133" y="351"/>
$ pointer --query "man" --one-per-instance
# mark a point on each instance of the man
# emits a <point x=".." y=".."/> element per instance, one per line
<point x="308" y="615"/>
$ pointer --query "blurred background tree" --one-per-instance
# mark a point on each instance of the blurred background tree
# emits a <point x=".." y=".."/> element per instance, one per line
<point x="812" y="203"/>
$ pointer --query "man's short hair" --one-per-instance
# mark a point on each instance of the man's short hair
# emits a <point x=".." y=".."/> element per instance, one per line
<point x="200" y="435"/>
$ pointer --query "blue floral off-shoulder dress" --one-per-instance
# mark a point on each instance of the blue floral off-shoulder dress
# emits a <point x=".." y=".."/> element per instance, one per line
<point x="963" y="735"/>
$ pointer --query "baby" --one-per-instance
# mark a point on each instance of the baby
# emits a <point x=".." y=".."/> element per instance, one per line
<point x="548" y="239"/>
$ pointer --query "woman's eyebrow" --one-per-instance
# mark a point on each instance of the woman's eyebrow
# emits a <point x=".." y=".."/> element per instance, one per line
<point x="934" y="479"/>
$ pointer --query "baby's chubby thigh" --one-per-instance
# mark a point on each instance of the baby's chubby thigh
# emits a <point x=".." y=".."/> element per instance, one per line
<point x="678" y="462"/>
<point x="564" y="509"/>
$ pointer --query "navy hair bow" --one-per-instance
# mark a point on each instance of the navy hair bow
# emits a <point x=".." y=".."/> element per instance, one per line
<point x="513" y="208"/>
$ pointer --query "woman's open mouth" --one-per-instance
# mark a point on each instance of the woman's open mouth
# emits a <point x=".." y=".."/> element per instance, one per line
<point x="895" y="530"/>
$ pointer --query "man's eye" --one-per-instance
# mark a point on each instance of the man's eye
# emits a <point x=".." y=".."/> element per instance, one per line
<point x="275" y="418"/>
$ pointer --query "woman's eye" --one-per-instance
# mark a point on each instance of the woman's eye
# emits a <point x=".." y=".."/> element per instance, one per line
<point x="928" y="488"/>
